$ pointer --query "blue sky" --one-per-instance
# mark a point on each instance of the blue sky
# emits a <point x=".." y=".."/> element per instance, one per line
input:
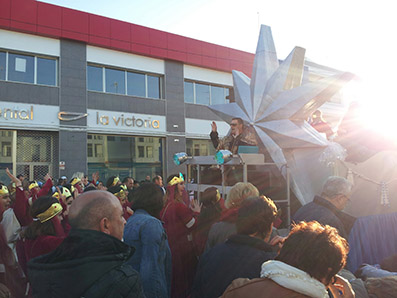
<point x="350" y="35"/>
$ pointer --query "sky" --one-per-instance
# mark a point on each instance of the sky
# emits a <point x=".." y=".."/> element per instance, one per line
<point x="349" y="35"/>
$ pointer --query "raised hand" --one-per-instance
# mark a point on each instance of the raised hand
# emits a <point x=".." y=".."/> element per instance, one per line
<point x="214" y="127"/>
<point x="195" y="206"/>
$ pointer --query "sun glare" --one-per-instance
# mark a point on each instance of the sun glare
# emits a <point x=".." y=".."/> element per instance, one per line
<point x="377" y="110"/>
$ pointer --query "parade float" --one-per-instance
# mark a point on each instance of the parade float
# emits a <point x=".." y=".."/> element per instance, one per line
<point x="276" y="103"/>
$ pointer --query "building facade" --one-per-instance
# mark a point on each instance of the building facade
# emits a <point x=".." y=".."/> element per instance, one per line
<point x="86" y="93"/>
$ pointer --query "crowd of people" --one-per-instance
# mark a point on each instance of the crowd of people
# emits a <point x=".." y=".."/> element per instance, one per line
<point x="115" y="238"/>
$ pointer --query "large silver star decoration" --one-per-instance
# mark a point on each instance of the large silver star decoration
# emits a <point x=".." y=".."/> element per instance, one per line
<point x="276" y="103"/>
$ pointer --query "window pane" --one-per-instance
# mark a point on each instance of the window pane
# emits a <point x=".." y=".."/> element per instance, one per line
<point x="189" y="94"/>
<point x="94" y="78"/>
<point x="2" y="65"/>
<point x="202" y="94"/>
<point x="153" y="86"/>
<point x="115" y="81"/>
<point x="217" y="95"/>
<point x="46" y="71"/>
<point x="20" y="68"/>
<point x="136" y="84"/>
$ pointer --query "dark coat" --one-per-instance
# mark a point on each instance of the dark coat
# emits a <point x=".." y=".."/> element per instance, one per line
<point x="239" y="256"/>
<point x="326" y="213"/>
<point x="87" y="264"/>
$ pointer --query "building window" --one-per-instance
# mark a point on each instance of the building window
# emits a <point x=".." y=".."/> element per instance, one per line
<point x="89" y="150"/>
<point x="110" y="80"/>
<point x="136" y="84"/>
<point x="141" y="151"/>
<point x="28" y="69"/>
<point x="20" y="68"/>
<point x="6" y="149"/>
<point x="149" y="152"/>
<point x="124" y="156"/>
<point x="115" y="81"/>
<point x="206" y="94"/>
<point x="197" y="147"/>
<point x="94" y="78"/>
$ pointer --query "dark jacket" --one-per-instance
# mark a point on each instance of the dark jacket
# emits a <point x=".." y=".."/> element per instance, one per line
<point x="239" y="256"/>
<point x="326" y="213"/>
<point x="87" y="264"/>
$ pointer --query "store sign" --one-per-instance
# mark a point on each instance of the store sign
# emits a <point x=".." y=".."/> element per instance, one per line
<point x="16" y="113"/>
<point x="125" y="121"/>
<point x="13" y="114"/>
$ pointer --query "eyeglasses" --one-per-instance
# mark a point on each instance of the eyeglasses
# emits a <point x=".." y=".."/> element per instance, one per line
<point x="233" y="124"/>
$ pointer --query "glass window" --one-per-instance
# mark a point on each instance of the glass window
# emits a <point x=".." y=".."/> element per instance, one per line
<point x="217" y="95"/>
<point x="189" y="93"/>
<point x="149" y="152"/>
<point x="136" y="84"/>
<point x="2" y="65"/>
<point x="46" y="71"/>
<point x="198" y="147"/>
<point x="202" y="94"/>
<point x="115" y="81"/>
<point x="20" y="68"/>
<point x="98" y="150"/>
<point x="94" y="78"/>
<point x="89" y="150"/>
<point x="153" y="86"/>
<point x="141" y="151"/>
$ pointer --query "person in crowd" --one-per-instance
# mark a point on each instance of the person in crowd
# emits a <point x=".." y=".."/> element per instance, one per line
<point x="45" y="233"/>
<point x="101" y="186"/>
<point x="84" y="181"/>
<point x="145" y="232"/>
<point x="179" y="222"/>
<point x="10" y="224"/>
<point x="77" y="184"/>
<point x="240" y="135"/>
<point x="327" y="208"/>
<point x="319" y="124"/>
<point x="211" y="210"/>
<point x="91" y="261"/>
<point x="21" y="177"/>
<point x="306" y="266"/>
<point x="129" y="183"/>
<point x="121" y="192"/>
<point x="112" y="181"/>
<point x="242" y="254"/>
<point x="159" y="181"/>
<point x="24" y="199"/>
<point x="221" y="230"/>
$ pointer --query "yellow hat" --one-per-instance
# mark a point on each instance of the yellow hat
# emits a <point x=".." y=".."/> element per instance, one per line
<point x="51" y="212"/>
<point x="65" y="192"/>
<point x="75" y="181"/>
<point x="176" y="180"/>
<point x="33" y="185"/>
<point x="4" y="190"/>
<point x="115" y="181"/>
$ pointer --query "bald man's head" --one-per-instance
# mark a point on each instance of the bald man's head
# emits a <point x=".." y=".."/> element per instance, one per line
<point x="97" y="210"/>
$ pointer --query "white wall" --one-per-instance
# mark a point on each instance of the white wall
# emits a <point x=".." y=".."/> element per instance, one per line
<point x="124" y="60"/>
<point x="29" y="43"/>
<point x="207" y="75"/>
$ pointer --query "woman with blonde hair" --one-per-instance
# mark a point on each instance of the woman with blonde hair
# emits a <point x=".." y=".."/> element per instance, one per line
<point x="226" y="226"/>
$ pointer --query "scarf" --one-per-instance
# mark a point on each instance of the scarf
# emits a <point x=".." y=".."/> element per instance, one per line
<point x="294" y="279"/>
